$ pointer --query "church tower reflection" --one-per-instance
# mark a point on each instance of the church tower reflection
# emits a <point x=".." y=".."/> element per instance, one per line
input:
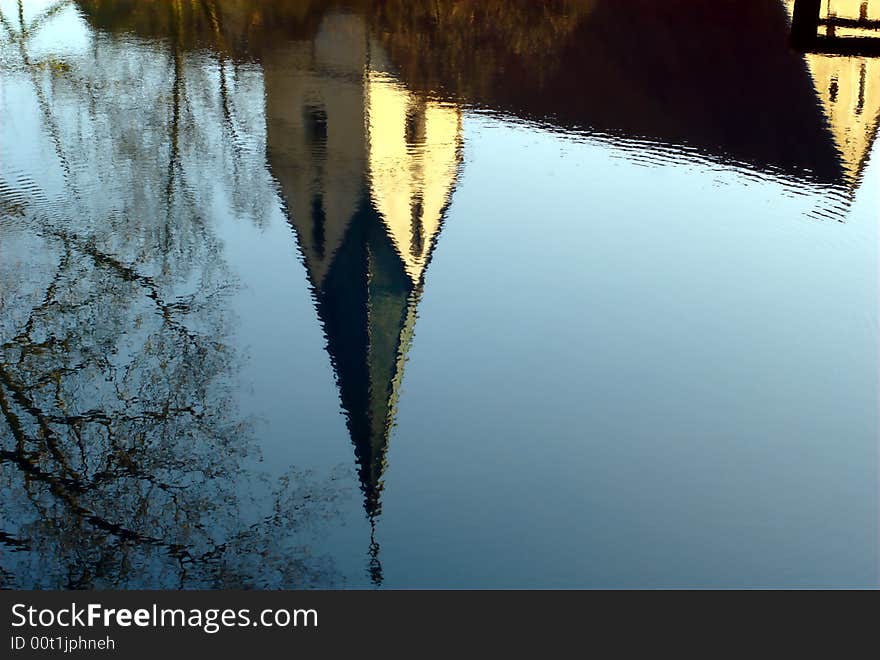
<point x="367" y="169"/>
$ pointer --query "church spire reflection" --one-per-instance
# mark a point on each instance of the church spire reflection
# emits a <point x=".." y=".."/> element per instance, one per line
<point x="367" y="169"/>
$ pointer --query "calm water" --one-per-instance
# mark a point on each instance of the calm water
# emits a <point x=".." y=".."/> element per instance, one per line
<point x="448" y="294"/>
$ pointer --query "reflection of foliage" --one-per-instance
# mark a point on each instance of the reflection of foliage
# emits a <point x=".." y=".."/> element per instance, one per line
<point x="477" y="36"/>
<point x="122" y="460"/>
<point x="236" y="28"/>
<point x="480" y="37"/>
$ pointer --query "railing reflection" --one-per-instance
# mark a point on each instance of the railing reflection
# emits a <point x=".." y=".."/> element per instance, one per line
<point x="840" y="27"/>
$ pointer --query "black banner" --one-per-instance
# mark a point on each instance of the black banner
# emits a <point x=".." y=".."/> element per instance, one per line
<point x="150" y="624"/>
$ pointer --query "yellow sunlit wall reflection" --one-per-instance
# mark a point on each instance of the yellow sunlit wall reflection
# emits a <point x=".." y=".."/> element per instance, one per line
<point x="848" y="87"/>
<point x="413" y="150"/>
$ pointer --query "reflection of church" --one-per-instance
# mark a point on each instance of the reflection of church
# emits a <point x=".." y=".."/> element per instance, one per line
<point x="366" y="169"/>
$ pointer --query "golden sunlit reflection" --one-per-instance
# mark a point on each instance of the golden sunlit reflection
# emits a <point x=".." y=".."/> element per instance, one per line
<point x="848" y="87"/>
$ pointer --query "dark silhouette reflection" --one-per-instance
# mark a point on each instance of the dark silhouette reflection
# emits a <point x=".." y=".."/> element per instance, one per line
<point x="717" y="76"/>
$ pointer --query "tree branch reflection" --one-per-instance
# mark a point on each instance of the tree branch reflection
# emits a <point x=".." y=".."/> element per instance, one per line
<point x="124" y="461"/>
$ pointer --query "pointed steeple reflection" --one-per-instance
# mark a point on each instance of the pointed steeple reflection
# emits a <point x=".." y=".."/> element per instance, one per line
<point x="367" y="169"/>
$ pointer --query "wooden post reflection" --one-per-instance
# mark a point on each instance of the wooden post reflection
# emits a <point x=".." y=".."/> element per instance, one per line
<point x="805" y="22"/>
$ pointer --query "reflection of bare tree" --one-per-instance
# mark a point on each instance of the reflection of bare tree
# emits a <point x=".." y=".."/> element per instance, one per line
<point x="123" y="461"/>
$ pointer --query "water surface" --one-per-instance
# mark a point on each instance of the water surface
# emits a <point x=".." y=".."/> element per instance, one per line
<point x="455" y="294"/>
